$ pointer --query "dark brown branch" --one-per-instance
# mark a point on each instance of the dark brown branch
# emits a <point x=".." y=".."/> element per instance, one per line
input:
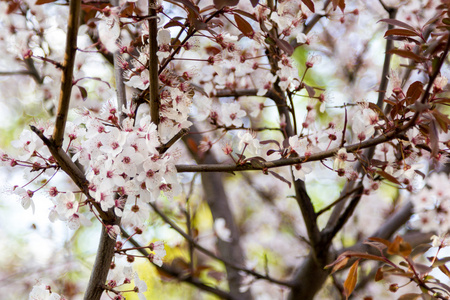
<point x="290" y="161"/>
<point x="330" y="233"/>
<point x="106" y="244"/>
<point x="386" y="65"/>
<point x="67" y="74"/>
<point x="102" y="265"/>
<point x="153" y="62"/>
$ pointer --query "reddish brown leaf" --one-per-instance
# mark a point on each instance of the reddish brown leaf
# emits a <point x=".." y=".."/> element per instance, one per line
<point x="310" y="90"/>
<point x="441" y="119"/>
<point x="352" y="277"/>
<point x="399" y="247"/>
<point x="309" y="4"/>
<point x="407" y="54"/>
<point x="378" y="110"/>
<point x="397" y="23"/>
<point x="285" y="46"/>
<point x="340" y="4"/>
<point x="173" y="23"/>
<point x="445" y="270"/>
<point x="281" y="178"/>
<point x="379" y="275"/>
<point x="12" y="7"/>
<point x="246" y="14"/>
<point x="387" y="176"/>
<point x="40" y="2"/>
<point x="187" y="5"/>
<point x="349" y="254"/>
<point x="211" y="50"/>
<point x="434" y="138"/>
<point x="338" y="264"/>
<point x="83" y="92"/>
<point x="414" y="92"/>
<point x="380" y="240"/>
<point x="401" y="32"/>
<point x="254" y="2"/>
<point x="244" y="26"/>
<point x="219" y="4"/>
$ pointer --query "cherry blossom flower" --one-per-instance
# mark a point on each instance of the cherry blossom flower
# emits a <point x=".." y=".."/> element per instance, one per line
<point x="248" y="140"/>
<point x="43" y="292"/>
<point x="232" y="114"/>
<point x="340" y="159"/>
<point x="66" y="205"/>
<point x="300" y="170"/>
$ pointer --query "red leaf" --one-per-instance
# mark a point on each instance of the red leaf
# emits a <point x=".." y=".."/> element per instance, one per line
<point x="285" y="46"/>
<point x="83" y="92"/>
<point x="219" y="4"/>
<point x="399" y="247"/>
<point x="245" y="14"/>
<point x="388" y="176"/>
<point x="244" y="26"/>
<point x="12" y="7"/>
<point x="407" y="54"/>
<point x="414" y="92"/>
<point x="40" y="2"/>
<point x="441" y="119"/>
<point x="280" y="177"/>
<point x="309" y="4"/>
<point x="310" y="90"/>
<point x="397" y="23"/>
<point x="434" y="138"/>
<point x="352" y="277"/>
<point x="402" y="32"/>
<point x="340" y="4"/>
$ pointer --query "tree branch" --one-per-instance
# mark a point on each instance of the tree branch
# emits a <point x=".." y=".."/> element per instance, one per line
<point x="290" y="161"/>
<point x="153" y="62"/>
<point x="102" y="265"/>
<point x="67" y="74"/>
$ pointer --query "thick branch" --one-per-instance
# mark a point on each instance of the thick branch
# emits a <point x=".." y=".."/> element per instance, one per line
<point x="153" y="62"/>
<point x="290" y="161"/>
<point x="386" y="65"/>
<point x="67" y="74"/>
<point x="102" y="265"/>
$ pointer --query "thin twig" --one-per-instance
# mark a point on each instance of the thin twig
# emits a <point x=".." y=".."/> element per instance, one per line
<point x="211" y="254"/>
<point x="342" y="197"/>
<point x="180" y="274"/>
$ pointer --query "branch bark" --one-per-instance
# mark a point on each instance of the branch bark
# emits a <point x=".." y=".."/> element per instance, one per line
<point x="67" y="74"/>
<point x="153" y="62"/>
